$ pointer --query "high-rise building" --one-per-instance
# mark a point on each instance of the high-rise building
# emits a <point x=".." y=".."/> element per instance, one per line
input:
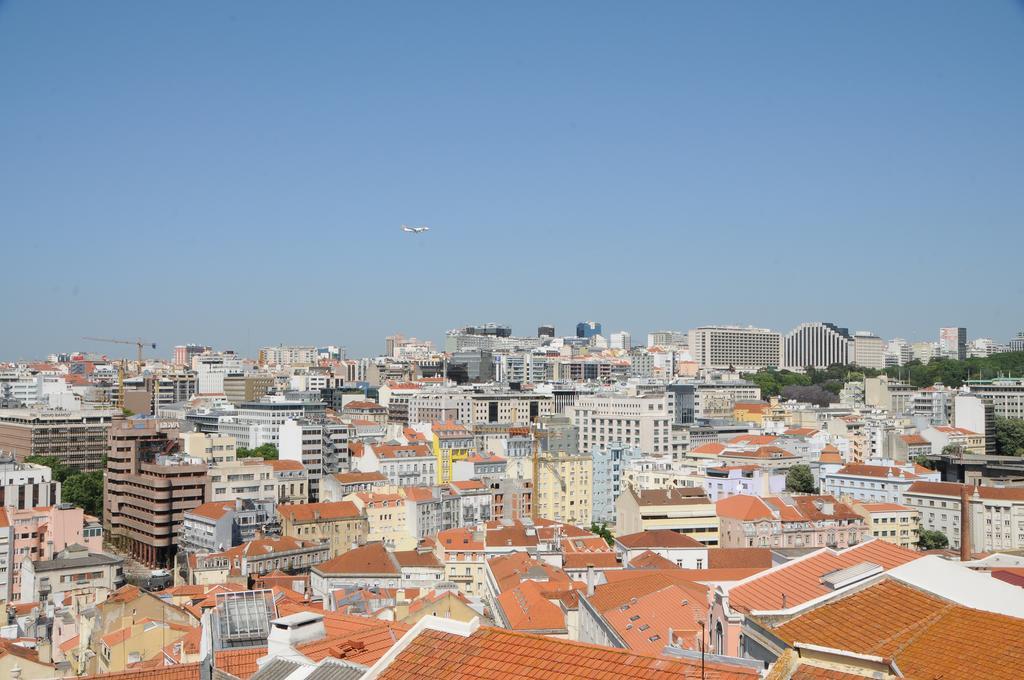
<point x="817" y="344"/>
<point x="898" y="352"/>
<point x="546" y="331"/>
<point x="183" y="353"/>
<point x="868" y="350"/>
<point x="620" y="340"/>
<point x="288" y="356"/>
<point x="148" y="488"/>
<point x="741" y="348"/>
<point x="666" y="339"/>
<point x="953" y="342"/>
<point x="588" y="329"/>
<point x="1017" y="343"/>
<point x="77" y="439"/>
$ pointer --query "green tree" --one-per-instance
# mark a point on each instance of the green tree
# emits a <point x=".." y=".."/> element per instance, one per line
<point x="932" y="540"/>
<point x="1010" y="436"/>
<point x="266" y="452"/>
<point x="85" y="490"/>
<point x="799" y="479"/>
<point x="602" y="531"/>
<point x="924" y="461"/>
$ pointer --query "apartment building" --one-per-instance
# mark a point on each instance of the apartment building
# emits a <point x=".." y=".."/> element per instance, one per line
<point x="687" y="510"/>
<point x="479" y="405"/>
<point x="73" y="569"/>
<point x="450" y="443"/>
<point x="302" y="441"/>
<point x="148" y="487"/>
<point x="735" y="347"/>
<point x="259" y="422"/>
<point x="283" y="356"/>
<point x="240" y="388"/>
<point x="871" y="483"/>
<point x="891" y="522"/>
<point x="341" y="525"/>
<point x="995" y="520"/>
<point x="563" y="488"/>
<point x="789" y="522"/>
<point x="400" y="464"/>
<point x="39" y="533"/>
<point x="26" y="485"/>
<point x="641" y="420"/>
<point x="77" y="439"/>
<point x="1005" y="394"/>
<point x="868" y="350"/>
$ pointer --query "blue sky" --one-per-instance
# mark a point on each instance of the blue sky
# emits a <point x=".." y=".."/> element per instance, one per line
<point x="235" y="173"/>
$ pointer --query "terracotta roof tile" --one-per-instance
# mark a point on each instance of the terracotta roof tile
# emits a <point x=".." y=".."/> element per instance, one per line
<point x="495" y="653"/>
<point x="372" y="558"/>
<point x="310" y="512"/>
<point x="360" y="477"/>
<point x="658" y="538"/>
<point x="526" y="608"/>
<point x="926" y="636"/>
<point x="189" y="671"/>
<point x="651" y="560"/>
<point x="800" y="580"/>
<point x="739" y="558"/>
<point x="239" y="662"/>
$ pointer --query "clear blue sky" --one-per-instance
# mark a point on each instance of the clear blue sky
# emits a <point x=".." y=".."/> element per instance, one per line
<point x="236" y="173"/>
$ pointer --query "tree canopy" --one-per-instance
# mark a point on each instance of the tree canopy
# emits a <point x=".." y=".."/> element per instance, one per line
<point x="1010" y="436"/>
<point x="932" y="540"/>
<point x="84" y="489"/>
<point x="602" y="531"/>
<point x="800" y="479"/>
<point x="265" y="451"/>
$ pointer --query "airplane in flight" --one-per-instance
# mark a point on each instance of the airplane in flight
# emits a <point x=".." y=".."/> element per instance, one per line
<point x="414" y="230"/>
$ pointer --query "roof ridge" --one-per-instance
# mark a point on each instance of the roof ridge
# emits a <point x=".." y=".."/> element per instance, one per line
<point x="916" y="630"/>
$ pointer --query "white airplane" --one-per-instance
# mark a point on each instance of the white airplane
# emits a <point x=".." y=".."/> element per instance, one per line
<point x="415" y="230"/>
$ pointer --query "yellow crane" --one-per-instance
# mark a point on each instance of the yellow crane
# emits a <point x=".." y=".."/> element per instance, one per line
<point x="139" y="344"/>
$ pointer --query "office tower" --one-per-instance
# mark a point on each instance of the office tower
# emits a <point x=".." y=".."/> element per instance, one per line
<point x="868" y="350"/>
<point x="546" y="331"/>
<point x="953" y="342"/>
<point x="588" y="329"/>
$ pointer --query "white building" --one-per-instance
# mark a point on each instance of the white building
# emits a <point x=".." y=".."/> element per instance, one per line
<point x="26" y="485"/>
<point x="620" y="340"/>
<point x="742" y="348"/>
<point x="634" y="419"/>
<point x="283" y="355"/>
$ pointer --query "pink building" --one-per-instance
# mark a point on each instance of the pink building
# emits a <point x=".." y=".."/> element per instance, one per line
<point x="786" y="521"/>
<point x="41" y="532"/>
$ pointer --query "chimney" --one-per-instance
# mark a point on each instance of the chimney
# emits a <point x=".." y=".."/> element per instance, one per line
<point x="288" y="632"/>
<point x="965" y="523"/>
<point x="590" y="580"/>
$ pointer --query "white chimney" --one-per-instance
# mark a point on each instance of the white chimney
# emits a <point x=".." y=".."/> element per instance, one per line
<point x="289" y="631"/>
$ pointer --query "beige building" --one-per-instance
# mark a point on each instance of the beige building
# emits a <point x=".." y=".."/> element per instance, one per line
<point x="891" y="522"/>
<point x="685" y="510"/>
<point x="211" y="448"/>
<point x="386" y="519"/>
<point x="633" y="419"/>
<point x="563" y="489"/>
<point x="996" y="518"/>
<point x="243" y="388"/>
<point x="342" y="525"/>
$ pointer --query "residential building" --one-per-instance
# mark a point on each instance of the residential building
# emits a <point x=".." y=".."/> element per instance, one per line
<point x="868" y="350"/>
<point x="77" y="438"/>
<point x="681" y="550"/>
<point x="995" y="519"/>
<point x="39" y="533"/>
<point x="686" y="510"/>
<point x="219" y="525"/>
<point x="735" y="347"/>
<point x="387" y="519"/>
<point x="870" y="483"/>
<point x="953" y="342"/>
<point x="789" y="522"/>
<point x="72" y="569"/>
<point x="1005" y="394"/>
<point x="284" y="356"/>
<point x="183" y="353"/>
<point x="258" y="557"/>
<point x="891" y="522"/>
<point x="818" y="345"/>
<point x="400" y="464"/>
<point x="26" y="485"/>
<point x="976" y="414"/>
<point x="941" y="436"/>
<point x="563" y="488"/>
<point x="148" y="487"/>
<point x="373" y="566"/>
<point x="240" y="388"/>
<point x="451" y="442"/>
<point x="479" y="404"/>
<point x="635" y="419"/>
<point x="302" y="441"/>
<point x="336" y="487"/>
<point x="341" y="525"/>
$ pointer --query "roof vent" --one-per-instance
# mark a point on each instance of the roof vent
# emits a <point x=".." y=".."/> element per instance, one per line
<point x="840" y="578"/>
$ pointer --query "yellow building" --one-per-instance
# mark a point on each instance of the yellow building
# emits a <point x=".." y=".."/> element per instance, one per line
<point x="451" y="442"/>
<point x="751" y="412"/>
<point x="462" y="552"/>
<point x="341" y="524"/>
<point x="141" y="641"/>
<point x="563" y="488"/>
<point x="386" y="519"/>
<point x="685" y="510"/>
<point x="891" y="522"/>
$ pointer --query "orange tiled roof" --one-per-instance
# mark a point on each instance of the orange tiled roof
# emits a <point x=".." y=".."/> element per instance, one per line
<point x="886" y="507"/>
<point x="739" y="558"/>
<point x="641" y="582"/>
<point x="658" y="538"/>
<point x="711" y="448"/>
<point x="598" y="560"/>
<point x="496" y="653"/>
<point x="188" y="671"/>
<point x="460" y="538"/>
<point x="801" y="431"/>
<point x="372" y="558"/>
<point x="310" y="512"/>
<point x="281" y="465"/>
<point x="754" y="439"/>
<point x="800" y="579"/>
<point x="239" y="662"/>
<point x="926" y="636"/>
<point x="644" y="623"/>
<point x="212" y="510"/>
<point x="953" y="489"/>
<point x="743" y="507"/>
<point x="879" y="471"/>
<point x="915" y="440"/>
<point x="360" y="477"/>
<point x="651" y="560"/>
<point x="527" y="608"/>
<point x="363" y="646"/>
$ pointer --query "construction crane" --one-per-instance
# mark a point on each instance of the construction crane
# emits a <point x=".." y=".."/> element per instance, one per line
<point x="139" y="344"/>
